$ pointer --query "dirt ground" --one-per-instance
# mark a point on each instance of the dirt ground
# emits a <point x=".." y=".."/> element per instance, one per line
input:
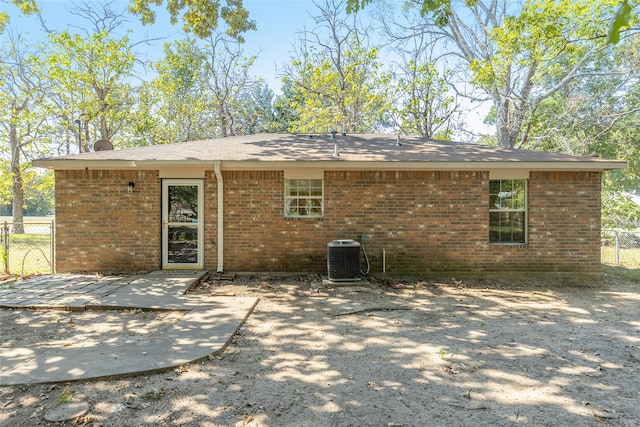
<point x="446" y="353"/>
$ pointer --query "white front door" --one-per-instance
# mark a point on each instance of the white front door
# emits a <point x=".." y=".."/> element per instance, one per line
<point x="182" y="224"/>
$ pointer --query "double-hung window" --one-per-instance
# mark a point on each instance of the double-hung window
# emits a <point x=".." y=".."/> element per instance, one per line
<point x="508" y="211"/>
<point x="303" y="197"/>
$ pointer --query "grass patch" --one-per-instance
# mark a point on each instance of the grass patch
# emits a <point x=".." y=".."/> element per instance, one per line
<point x="631" y="274"/>
<point x="65" y="396"/>
<point x="154" y="395"/>
<point x="629" y="258"/>
<point x="29" y="253"/>
<point x="628" y="266"/>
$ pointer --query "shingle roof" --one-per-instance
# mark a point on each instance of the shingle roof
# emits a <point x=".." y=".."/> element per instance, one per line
<point x="341" y="151"/>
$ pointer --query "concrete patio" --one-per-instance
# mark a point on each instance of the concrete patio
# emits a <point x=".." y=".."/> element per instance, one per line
<point x="205" y="329"/>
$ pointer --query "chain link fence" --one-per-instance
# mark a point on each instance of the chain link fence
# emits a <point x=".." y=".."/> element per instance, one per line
<point x="26" y="248"/>
<point x="621" y="247"/>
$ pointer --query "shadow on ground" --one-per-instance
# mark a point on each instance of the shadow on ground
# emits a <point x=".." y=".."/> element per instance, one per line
<point x="430" y="353"/>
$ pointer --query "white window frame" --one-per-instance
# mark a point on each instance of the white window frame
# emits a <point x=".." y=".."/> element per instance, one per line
<point x="506" y="209"/>
<point x="293" y="179"/>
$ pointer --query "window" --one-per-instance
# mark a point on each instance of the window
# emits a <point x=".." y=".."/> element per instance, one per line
<point x="507" y="211"/>
<point x="303" y="198"/>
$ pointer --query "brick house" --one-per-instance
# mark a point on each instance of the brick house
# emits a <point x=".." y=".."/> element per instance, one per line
<point x="272" y="203"/>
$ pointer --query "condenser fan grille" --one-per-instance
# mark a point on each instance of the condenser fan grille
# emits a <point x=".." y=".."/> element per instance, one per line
<point x="343" y="260"/>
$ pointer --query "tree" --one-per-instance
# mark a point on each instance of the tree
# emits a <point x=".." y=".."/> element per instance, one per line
<point x="200" y="17"/>
<point x="202" y="90"/>
<point x="178" y="94"/>
<point x="38" y="190"/>
<point x="425" y="104"/>
<point x="23" y="87"/>
<point x="597" y="116"/>
<point x="90" y="72"/>
<point x="257" y="110"/>
<point x="423" y="100"/>
<point x="226" y="78"/>
<point x="284" y="104"/>
<point x="518" y="56"/>
<point x="336" y="79"/>
<point x="90" y="81"/>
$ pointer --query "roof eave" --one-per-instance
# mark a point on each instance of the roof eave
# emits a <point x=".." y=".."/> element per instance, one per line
<point x="574" y="165"/>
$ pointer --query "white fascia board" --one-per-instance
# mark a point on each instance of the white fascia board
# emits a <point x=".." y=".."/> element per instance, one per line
<point x="83" y="164"/>
<point x="68" y="164"/>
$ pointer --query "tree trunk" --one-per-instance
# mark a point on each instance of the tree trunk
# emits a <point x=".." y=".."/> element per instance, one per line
<point x="85" y="144"/>
<point x="223" y="121"/>
<point x="16" y="176"/>
<point x="504" y="123"/>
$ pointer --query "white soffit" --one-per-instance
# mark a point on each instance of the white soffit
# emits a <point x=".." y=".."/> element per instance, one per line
<point x="183" y="172"/>
<point x="299" y="173"/>
<point x="509" y="174"/>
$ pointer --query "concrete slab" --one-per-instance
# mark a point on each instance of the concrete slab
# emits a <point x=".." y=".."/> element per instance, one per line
<point x="205" y="329"/>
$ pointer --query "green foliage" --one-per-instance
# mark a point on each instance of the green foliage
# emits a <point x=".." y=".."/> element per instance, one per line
<point x="425" y="104"/>
<point x="439" y="9"/>
<point x="337" y="82"/>
<point x="519" y="55"/>
<point x="178" y="93"/>
<point x="65" y="396"/>
<point x="23" y="89"/>
<point x="284" y="107"/>
<point x="38" y="190"/>
<point x="347" y="98"/>
<point x="202" y="90"/>
<point x="619" y="211"/>
<point x="256" y="109"/>
<point x="200" y="17"/>
<point x="154" y="394"/>
<point x="620" y="20"/>
<point x="27" y="7"/>
<point x="90" y="77"/>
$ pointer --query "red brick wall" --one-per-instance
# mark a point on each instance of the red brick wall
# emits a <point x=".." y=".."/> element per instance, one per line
<point x="564" y="222"/>
<point x="102" y="227"/>
<point x="427" y="223"/>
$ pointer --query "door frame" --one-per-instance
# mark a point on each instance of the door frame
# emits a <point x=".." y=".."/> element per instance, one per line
<point x="166" y="183"/>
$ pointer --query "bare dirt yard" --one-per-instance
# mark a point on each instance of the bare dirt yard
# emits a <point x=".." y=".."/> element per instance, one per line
<point x="445" y="353"/>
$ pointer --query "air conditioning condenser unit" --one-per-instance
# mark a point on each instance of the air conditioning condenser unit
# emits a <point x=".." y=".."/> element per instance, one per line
<point x="343" y="260"/>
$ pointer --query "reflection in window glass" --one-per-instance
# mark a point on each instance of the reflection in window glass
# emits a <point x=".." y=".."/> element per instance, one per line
<point x="183" y="244"/>
<point x="507" y="211"/>
<point x="183" y="203"/>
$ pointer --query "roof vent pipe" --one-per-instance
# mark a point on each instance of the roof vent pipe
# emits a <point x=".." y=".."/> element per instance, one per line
<point x="335" y="151"/>
<point x="398" y="140"/>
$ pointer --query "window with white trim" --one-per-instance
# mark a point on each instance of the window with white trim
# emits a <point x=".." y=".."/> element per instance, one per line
<point x="508" y="211"/>
<point x="303" y="198"/>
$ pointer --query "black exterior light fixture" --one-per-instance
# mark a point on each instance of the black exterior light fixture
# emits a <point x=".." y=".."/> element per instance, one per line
<point x="130" y="187"/>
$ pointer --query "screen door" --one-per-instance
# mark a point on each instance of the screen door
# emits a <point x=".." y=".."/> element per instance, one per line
<point x="182" y="226"/>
